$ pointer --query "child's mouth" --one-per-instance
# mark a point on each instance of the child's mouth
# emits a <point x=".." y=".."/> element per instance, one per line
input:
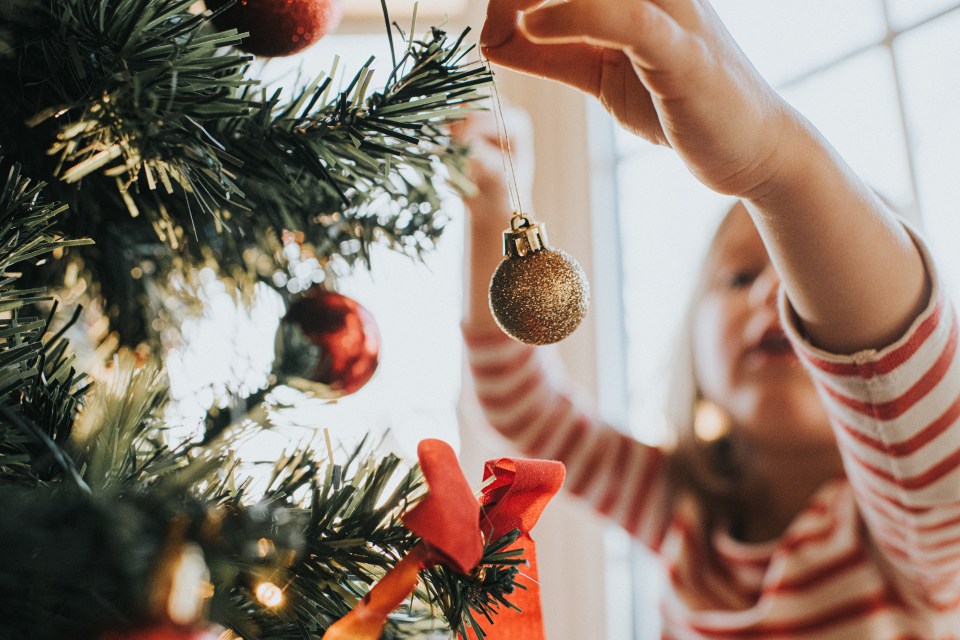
<point x="774" y="343"/>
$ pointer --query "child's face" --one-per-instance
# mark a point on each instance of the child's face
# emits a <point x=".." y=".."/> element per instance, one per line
<point x="743" y="361"/>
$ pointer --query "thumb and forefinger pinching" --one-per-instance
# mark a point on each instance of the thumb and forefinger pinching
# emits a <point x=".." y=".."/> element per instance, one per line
<point x="640" y="28"/>
<point x="502" y="19"/>
<point x="503" y="42"/>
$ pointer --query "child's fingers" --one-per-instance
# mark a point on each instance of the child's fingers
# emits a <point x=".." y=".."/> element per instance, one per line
<point x="502" y="18"/>
<point x="501" y="41"/>
<point x="577" y="64"/>
<point x="638" y="26"/>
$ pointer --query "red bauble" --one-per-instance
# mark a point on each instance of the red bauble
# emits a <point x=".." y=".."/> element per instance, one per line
<point x="346" y="334"/>
<point x="163" y="632"/>
<point x="278" y="27"/>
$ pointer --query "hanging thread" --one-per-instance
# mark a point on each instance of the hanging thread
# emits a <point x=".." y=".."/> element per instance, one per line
<point x="538" y="295"/>
<point x="506" y="154"/>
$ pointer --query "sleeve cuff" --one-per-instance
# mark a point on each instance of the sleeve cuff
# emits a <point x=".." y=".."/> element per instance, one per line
<point x="865" y="362"/>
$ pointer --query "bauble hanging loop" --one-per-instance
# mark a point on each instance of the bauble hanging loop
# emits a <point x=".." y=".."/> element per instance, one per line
<point x="523" y="237"/>
<point x="538" y="295"/>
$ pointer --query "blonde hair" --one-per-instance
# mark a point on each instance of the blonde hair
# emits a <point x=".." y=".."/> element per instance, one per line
<point x="706" y="468"/>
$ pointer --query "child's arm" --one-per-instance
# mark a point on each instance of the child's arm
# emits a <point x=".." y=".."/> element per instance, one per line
<point x="615" y="474"/>
<point x="895" y="412"/>
<point x="670" y="72"/>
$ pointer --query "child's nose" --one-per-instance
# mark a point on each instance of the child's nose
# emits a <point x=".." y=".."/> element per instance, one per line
<point x="765" y="287"/>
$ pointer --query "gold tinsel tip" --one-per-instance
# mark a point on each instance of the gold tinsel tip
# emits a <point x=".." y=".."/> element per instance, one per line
<point x="540" y="298"/>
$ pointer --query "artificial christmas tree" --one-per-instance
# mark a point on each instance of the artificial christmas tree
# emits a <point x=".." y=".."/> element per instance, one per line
<point x="138" y="152"/>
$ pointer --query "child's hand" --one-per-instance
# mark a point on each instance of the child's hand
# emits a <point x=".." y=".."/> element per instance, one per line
<point x="489" y="167"/>
<point x="666" y="69"/>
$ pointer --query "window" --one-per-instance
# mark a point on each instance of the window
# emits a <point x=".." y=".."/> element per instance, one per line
<point x="877" y="78"/>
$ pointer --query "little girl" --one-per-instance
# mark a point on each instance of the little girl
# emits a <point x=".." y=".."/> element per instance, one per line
<point x="820" y="329"/>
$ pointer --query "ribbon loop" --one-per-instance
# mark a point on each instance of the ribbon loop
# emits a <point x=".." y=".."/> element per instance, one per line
<point x="519" y="493"/>
<point x="449" y="522"/>
<point x="447" y="517"/>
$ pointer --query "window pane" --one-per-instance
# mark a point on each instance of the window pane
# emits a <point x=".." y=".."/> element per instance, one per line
<point x="784" y="38"/>
<point x="855" y="106"/>
<point x="906" y="12"/>
<point x="927" y="59"/>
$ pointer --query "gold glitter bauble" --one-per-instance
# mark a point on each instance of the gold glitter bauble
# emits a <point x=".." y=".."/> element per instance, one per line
<point x="539" y="298"/>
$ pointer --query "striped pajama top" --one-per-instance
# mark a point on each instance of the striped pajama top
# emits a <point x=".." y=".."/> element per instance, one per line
<point x="875" y="555"/>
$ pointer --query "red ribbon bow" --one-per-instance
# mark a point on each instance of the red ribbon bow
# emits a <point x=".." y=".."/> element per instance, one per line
<point x="451" y="525"/>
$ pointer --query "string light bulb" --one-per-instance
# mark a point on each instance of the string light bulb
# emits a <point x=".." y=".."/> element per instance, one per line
<point x="265" y="547"/>
<point x="189" y="587"/>
<point x="269" y="594"/>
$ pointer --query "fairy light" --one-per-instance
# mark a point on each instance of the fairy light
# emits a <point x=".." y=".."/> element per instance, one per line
<point x="190" y="586"/>
<point x="265" y="547"/>
<point x="269" y="594"/>
<point x="710" y="422"/>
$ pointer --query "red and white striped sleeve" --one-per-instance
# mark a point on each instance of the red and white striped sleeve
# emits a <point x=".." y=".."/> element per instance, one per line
<point x="896" y="415"/>
<point x="526" y="400"/>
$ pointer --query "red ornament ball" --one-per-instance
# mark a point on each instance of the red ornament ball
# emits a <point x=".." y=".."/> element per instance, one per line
<point x="278" y="27"/>
<point x="347" y="337"/>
